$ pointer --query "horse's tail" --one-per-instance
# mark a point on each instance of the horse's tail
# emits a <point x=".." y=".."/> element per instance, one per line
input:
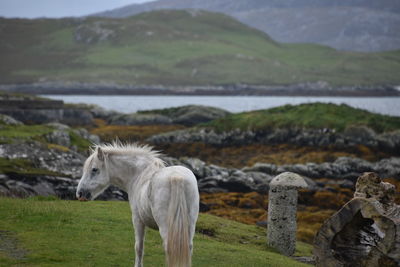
<point x="178" y="241"/>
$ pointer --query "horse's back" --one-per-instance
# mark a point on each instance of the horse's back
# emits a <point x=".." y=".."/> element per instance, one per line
<point x="175" y="173"/>
<point x="169" y="176"/>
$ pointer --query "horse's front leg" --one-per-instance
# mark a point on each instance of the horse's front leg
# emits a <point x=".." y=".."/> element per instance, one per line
<point x="139" y="241"/>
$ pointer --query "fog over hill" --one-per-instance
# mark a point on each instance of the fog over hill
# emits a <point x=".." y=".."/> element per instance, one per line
<point x="359" y="25"/>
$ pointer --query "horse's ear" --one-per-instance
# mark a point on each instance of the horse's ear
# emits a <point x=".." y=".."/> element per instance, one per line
<point x="100" y="154"/>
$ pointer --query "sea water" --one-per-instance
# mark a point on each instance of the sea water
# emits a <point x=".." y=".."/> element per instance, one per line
<point x="130" y="104"/>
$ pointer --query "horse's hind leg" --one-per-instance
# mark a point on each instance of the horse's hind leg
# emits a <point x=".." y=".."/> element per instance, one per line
<point x="139" y="242"/>
<point x="164" y="236"/>
<point x="192" y="228"/>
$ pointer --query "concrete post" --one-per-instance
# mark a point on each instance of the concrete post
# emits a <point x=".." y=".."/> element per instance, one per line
<point x="282" y="207"/>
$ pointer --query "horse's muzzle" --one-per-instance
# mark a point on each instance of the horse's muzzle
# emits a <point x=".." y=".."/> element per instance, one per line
<point x="84" y="195"/>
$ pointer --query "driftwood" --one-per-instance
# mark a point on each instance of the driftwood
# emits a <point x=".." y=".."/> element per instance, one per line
<point x="365" y="232"/>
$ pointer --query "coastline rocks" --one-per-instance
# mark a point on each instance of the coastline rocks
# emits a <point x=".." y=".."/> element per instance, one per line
<point x="352" y="136"/>
<point x="211" y="178"/>
<point x="191" y="115"/>
<point x="66" y="168"/>
<point x="68" y="163"/>
<point x="41" y="116"/>
<point x="139" y="119"/>
<point x="186" y="115"/>
<point x="42" y="185"/>
<point x="102" y="113"/>
<point x="342" y="168"/>
<point x="62" y="135"/>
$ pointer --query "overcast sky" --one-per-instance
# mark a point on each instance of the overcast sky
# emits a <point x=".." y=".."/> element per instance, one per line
<point x="58" y="8"/>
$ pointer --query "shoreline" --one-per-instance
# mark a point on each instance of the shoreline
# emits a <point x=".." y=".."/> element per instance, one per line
<point x="307" y="89"/>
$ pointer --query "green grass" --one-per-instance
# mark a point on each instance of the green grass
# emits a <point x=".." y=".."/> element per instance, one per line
<point x="23" y="132"/>
<point x="20" y="133"/>
<point x="70" y="233"/>
<point x="316" y="115"/>
<point x="176" y="48"/>
<point x="23" y="167"/>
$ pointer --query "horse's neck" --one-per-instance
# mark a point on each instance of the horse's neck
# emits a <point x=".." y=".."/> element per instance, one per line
<point x="145" y="175"/>
<point x="127" y="173"/>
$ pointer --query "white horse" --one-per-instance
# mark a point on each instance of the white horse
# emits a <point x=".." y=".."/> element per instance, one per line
<point x="163" y="198"/>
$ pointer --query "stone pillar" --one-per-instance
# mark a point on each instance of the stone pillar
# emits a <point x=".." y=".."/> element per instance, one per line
<point x="282" y="208"/>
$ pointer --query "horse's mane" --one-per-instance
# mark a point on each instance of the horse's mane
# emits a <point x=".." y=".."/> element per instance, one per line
<point x="135" y="149"/>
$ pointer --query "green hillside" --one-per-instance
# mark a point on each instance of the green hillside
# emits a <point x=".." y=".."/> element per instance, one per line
<point x="49" y="232"/>
<point x="315" y="115"/>
<point x="175" y="48"/>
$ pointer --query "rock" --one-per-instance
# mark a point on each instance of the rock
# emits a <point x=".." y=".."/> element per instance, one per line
<point x="365" y="231"/>
<point x="102" y="113"/>
<point x="59" y="137"/>
<point x="82" y="132"/>
<point x="361" y="135"/>
<point x="7" y="120"/>
<point x="369" y="185"/>
<point x="68" y="116"/>
<point x="194" y="114"/>
<point x="139" y="119"/>
<point x="262" y="167"/>
<point x="62" y="187"/>
<point x="59" y="126"/>
<point x="211" y="185"/>
<point x="282" y="208"/>
<point x="352" y="136"/>
<point x="259" y="177"/>
<point x="68" y="163"/>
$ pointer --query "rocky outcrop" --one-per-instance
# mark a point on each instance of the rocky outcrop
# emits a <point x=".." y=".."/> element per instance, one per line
<point x="211" y="178"/>
<point x="365" y="232"/>
<point x="342" y="168"/>
<point x="7" y="120"/>
<point x="61" y="172"/>
<point x="139" y="119"/>
<point x="194" y="114"/>
<point x="187" y="115"/>
<point x="352" y="136"/>
<point x="38" y="111"/>
<point x="67" y="163"/>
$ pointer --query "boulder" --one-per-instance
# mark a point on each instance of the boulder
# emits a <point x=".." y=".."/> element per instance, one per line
<point x="139" y="119"/>
<point x="7" y="120"/>
<point x="365" y="231"/>
<point x="194" y="114"/>
<point x="59" y="137"/>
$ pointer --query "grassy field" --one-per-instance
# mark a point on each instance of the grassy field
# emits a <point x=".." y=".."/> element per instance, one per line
<point x="176" y="48"/>
<point x="315" y="115"/>
<point x="50" y="232"/>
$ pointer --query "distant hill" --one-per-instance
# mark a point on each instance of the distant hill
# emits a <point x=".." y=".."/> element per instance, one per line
<point x="355" y="25"/>
<point x="186" y="47"/>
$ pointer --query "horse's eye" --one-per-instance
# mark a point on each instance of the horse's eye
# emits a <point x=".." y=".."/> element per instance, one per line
<point x="94" y="170"/>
